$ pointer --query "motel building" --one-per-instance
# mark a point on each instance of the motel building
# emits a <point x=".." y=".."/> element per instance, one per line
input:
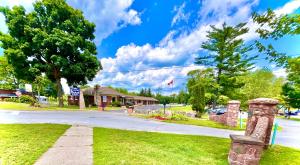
<point x="106" y="96"/>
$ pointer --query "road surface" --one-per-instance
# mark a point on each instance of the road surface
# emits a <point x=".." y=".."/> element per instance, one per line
<point x="289" y="136"/>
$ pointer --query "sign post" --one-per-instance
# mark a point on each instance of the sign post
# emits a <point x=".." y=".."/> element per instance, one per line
<point x="274" y="133"/>
<point x="75" y="92"/>
<point x="104" y="100"/>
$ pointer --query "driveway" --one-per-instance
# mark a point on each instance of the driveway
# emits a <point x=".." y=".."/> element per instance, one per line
<point x="290" y="135"/>
<point x="120" y="120"/>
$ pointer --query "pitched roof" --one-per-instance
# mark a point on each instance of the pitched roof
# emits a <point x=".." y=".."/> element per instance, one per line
<point x="102" y="90"/>
<point x="144" y="98"/>
<point x="109" y="91"/>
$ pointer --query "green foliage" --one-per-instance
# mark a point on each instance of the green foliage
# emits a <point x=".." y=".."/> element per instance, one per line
<point x="228" y="54"/>
<point x="223" y="100"/>
<point x="11" y="100"/>
<point x="165" y="99"/>
<point x="116" y="104"/>
<point x="22" y="99"/>
<point x="7" y="76"/>
<point x="291" y="89"/>
<point x="275" y="27"/>
<point x="27" y="99"/>
<point x="179" y="117"/>
<point x="198" y="98"/>
<point x="260" y="83"/>
<point x="146" y="92"/>
<point x="43" y="86"/>
<point x="54" y="39"/>
<point x="182" y="97"/>
<point x="206" y="78"/>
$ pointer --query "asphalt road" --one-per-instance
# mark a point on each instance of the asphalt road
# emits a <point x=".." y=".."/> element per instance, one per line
<point x="289" y="136"/>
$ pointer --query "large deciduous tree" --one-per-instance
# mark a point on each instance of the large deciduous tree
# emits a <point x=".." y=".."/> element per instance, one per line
<point x="54" y="39"/>
<point x="260" y="83"/>
<point x="291" y="89"/>
<point x="8" y="79"/>
<point x="275" y="26"/>
<point x="228" y="55"/>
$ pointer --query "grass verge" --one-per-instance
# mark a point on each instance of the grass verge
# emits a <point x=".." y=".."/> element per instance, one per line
<point x="204" y="122"/>
<point x="112" y="146"/>
<point x="291" y="118"/>
<point x="25" y="143"/>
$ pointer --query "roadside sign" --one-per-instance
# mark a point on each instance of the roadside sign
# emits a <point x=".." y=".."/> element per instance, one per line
<point x="104" y="99"/>
<point x="75" y="91"/>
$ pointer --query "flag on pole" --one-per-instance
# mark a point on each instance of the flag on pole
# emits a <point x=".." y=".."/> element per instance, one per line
<point x="171" y="82"/>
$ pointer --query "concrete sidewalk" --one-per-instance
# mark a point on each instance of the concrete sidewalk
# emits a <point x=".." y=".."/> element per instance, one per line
<point x="74" y="147"/>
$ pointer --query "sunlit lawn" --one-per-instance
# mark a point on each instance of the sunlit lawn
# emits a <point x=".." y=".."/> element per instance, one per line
<point x="113" y="146"/>
<point x="186" y="108"/>
<point x="204" y="122"/>
<point x="22" y="106"/>
<point x="291" y="118"/>
<point x="23" y="144"/>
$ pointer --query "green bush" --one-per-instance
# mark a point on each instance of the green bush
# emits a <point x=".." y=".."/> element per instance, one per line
<point x="116" y="104"/>
<point x="178" y="117"/>
<point x="11" y="100"/>
<point x="28" y="99"/>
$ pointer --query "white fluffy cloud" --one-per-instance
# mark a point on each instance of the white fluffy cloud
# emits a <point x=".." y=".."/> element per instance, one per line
<point x="180" y="50"/>
<point x="108" y="15"/>
<point x="171" y="51"/>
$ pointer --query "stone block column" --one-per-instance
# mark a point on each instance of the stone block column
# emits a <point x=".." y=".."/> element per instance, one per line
<point x="81" y="100"/>
<point x="233" y="108"/>
<point x="261" y="107"/>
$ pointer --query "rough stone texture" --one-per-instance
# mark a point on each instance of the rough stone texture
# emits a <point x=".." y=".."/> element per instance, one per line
<point x="233" y="109"/>
<point x="75" y="147"/>
<point x="261" y="107"/>
<point x="81" y="100"/>
<point x="247" y="150"/>
<point x="230" y="117"/>
<point x="244" y="154"/>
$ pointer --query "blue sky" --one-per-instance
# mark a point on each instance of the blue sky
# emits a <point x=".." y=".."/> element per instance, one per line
<point x="149" y="43"/>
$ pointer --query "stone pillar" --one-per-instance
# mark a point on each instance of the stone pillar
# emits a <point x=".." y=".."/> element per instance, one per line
<point x="233" y="108"/>
<point x="261" y="107"/>
<point x="81" y="101"/>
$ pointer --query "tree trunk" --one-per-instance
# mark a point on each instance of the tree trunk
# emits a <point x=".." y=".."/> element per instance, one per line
<point x="59" y="93"/>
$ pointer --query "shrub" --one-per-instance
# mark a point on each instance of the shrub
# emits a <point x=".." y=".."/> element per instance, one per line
<point x="176" y="116"/>
<point x="116" y="104"/>
<point x="27" y="99"/>
<point x="11" y="100"/>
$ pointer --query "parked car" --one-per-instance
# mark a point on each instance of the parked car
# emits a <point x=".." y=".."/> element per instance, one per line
<point x="129" y="104"/>
<point x="218" y="111"/>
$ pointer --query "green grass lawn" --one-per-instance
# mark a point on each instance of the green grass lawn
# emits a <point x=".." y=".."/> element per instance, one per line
<point x="291" y="118"/>
<point x="187" y="108"/>
<point x="23" y="144"/>
<point x="113" y="146"/>
<point x="22" y="106"/>
<point x="204" y="122"/>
